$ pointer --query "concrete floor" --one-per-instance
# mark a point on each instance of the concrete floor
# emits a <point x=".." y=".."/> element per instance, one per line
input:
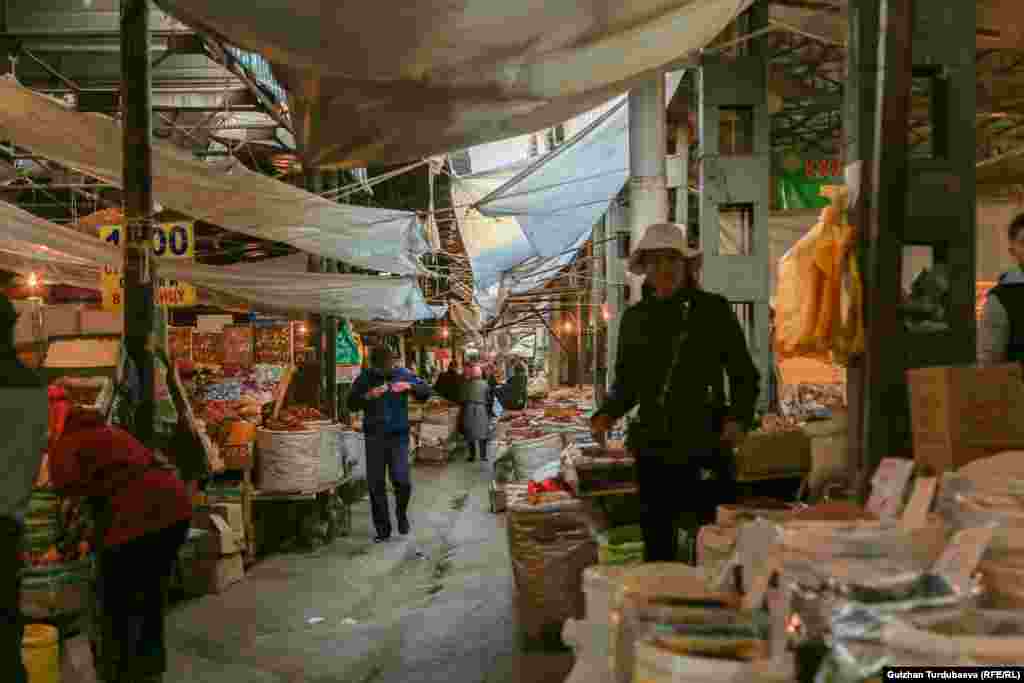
<point x="437" y="606"/>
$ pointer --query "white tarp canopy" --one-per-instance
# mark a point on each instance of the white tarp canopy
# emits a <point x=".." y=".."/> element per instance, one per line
<point x="224" y="193"/>
<point x="393" y="80"/>
<point x="532" y="217"/>
<point x="58" y="254"/>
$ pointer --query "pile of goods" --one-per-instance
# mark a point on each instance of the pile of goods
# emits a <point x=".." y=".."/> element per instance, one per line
<point x="803" y="402"/>
<point x="56" y="556"/>
<point x="294" y="419"/>
<point x="593" y="470"/>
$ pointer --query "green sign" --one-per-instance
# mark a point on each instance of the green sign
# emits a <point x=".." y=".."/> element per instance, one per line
<point x="798" y="181"/>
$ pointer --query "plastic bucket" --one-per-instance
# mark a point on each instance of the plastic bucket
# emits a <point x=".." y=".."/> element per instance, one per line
<point x="40" y="652"/>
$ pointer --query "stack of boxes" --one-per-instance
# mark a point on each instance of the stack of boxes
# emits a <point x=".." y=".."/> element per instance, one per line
<point x="213" y="560"/>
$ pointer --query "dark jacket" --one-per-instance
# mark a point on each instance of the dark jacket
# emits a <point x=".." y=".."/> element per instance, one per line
<point x="388" y="414"/>
<point x="715" y="347"/>
<point x="449" y="386"/>
<point x="514" y="394"/>
<point x="1011" y="295"/>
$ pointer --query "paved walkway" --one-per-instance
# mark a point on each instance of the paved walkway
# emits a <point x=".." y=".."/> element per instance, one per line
<point x="437" y="606"/>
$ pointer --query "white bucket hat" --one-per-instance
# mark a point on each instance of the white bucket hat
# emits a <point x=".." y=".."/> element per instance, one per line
<point x="661" y="236"/>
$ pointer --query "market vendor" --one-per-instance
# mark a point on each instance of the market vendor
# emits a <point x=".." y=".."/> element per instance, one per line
<point x="142" y="514"/>
<point x="1001" y="329"/>
<point x="381" y="392"/>
<point x="24" y="413"/>
<point x="675" y="348"/>
<point x="449" y="384"/>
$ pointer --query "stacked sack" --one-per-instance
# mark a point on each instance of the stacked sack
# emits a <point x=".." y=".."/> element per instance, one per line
<point x="990" y="491"/>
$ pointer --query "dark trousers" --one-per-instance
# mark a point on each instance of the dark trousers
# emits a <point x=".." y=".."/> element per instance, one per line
<point x="11" y="625"/>
<point x="133" y="587"/>
<point x="478" y="449"/>
<point x="665" y="489"/>
<point x="388" y="454"/>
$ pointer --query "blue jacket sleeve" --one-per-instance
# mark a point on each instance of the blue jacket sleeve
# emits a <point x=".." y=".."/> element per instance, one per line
<point x="357" y="397"/>
<point x="622" y="397"/>
<point x="421" y="390"/>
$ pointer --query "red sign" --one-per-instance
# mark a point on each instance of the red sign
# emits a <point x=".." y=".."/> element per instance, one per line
<point x="823" y="168"/>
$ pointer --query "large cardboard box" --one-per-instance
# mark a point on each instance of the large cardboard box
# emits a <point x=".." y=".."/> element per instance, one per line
<point x="961" y="414"/>
<point x="770" y="455"/>
<point x="222" y="537"/>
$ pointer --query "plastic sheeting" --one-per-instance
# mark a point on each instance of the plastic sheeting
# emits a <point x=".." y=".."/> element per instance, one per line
<point x="60" y="254"/>
<point x="223" y="193"/>
<point x="361" y="74"/>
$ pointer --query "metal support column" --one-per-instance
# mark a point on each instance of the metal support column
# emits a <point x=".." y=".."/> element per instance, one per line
<point x="648" y="145"/>
<point x="922" y="198"/>
<point x="736" y="185"/>
<point x="615" y="281"/>
<point x="139" y="267"/>
<point x="861" y="100"/>
<point x="597" y="298"/>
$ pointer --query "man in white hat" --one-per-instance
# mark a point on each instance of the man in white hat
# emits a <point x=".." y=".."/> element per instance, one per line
<point x="675" y="349"/>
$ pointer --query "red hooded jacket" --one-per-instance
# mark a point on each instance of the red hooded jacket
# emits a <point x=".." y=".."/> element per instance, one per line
<point x="95" y="460"/>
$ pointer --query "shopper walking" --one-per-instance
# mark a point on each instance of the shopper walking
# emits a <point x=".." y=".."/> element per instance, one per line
<point x="142" y="513"/>
<point x="381" y="393"/>
<point x="675" y="348"/>
<point x="1001" y="332"/>
<point x="477" y="410"/>
<point x="24" y="414"/>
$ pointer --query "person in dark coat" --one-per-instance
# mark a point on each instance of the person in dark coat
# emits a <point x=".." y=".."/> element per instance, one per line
<point x="382" y="393"/>
<point x="448" y="384"/>
<point x="675" y="348"/>
<point x="24" y="413"/>
<point x="477" y="410"/>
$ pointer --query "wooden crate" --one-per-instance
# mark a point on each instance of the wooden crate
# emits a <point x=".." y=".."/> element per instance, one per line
<point x="961" y="414"/>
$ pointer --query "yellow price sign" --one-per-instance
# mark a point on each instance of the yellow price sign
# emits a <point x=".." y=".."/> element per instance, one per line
<point x="170" y="240"/>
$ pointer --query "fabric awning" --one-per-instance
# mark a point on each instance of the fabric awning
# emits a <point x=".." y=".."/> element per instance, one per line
<point x="224" y="193"/>
<point x="394" y="80"/>
<point x="58" y="254"/>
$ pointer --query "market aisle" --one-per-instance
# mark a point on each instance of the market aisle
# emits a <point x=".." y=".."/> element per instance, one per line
<point x="438" y="607"/>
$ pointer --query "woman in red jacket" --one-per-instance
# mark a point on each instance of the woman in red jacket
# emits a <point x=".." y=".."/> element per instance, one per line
<point x="143" y="514"/>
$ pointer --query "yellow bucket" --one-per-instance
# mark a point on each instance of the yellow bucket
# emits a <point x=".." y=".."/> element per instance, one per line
<point x="40" y="651"/>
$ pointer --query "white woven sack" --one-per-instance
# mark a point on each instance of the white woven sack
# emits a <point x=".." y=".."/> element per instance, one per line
<point x="288" y="461"/>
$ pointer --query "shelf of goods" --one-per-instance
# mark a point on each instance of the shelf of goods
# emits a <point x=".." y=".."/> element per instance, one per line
<point x="208" y="348"/>
<point x="272" y="344"/>
<point x="179" y="343"/>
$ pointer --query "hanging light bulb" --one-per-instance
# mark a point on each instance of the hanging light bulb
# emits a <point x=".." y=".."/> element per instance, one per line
<point x="302" y="329"/>
<point x="568" y="326"/>
<point x="444" y="332"/>
<point x="33" y="280"/>
<point x="605" y="312"/>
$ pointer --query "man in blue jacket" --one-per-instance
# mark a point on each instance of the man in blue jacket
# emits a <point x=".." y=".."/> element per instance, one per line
<point x="381" y="392"/>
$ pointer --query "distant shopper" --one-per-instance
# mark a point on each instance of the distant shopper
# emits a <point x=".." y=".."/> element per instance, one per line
<point x="448" y="385"/>
<point x="477" y="410"/>
<point x="381" y="392"/>
<point x="1001" y="332"/>
<point x="24" y="414"/>
<point x="675" y="349"/>
<point x="142" y="514"/>
<point x="514" y="395"/>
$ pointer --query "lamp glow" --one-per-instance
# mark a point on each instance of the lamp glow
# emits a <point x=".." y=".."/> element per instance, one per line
<point x="605" y="313"/>
<point x="33" y="280"/>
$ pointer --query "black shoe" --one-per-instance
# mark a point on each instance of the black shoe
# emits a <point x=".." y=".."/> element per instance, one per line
<point x="381" y="539"/>
<point x="403" y="527"/>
